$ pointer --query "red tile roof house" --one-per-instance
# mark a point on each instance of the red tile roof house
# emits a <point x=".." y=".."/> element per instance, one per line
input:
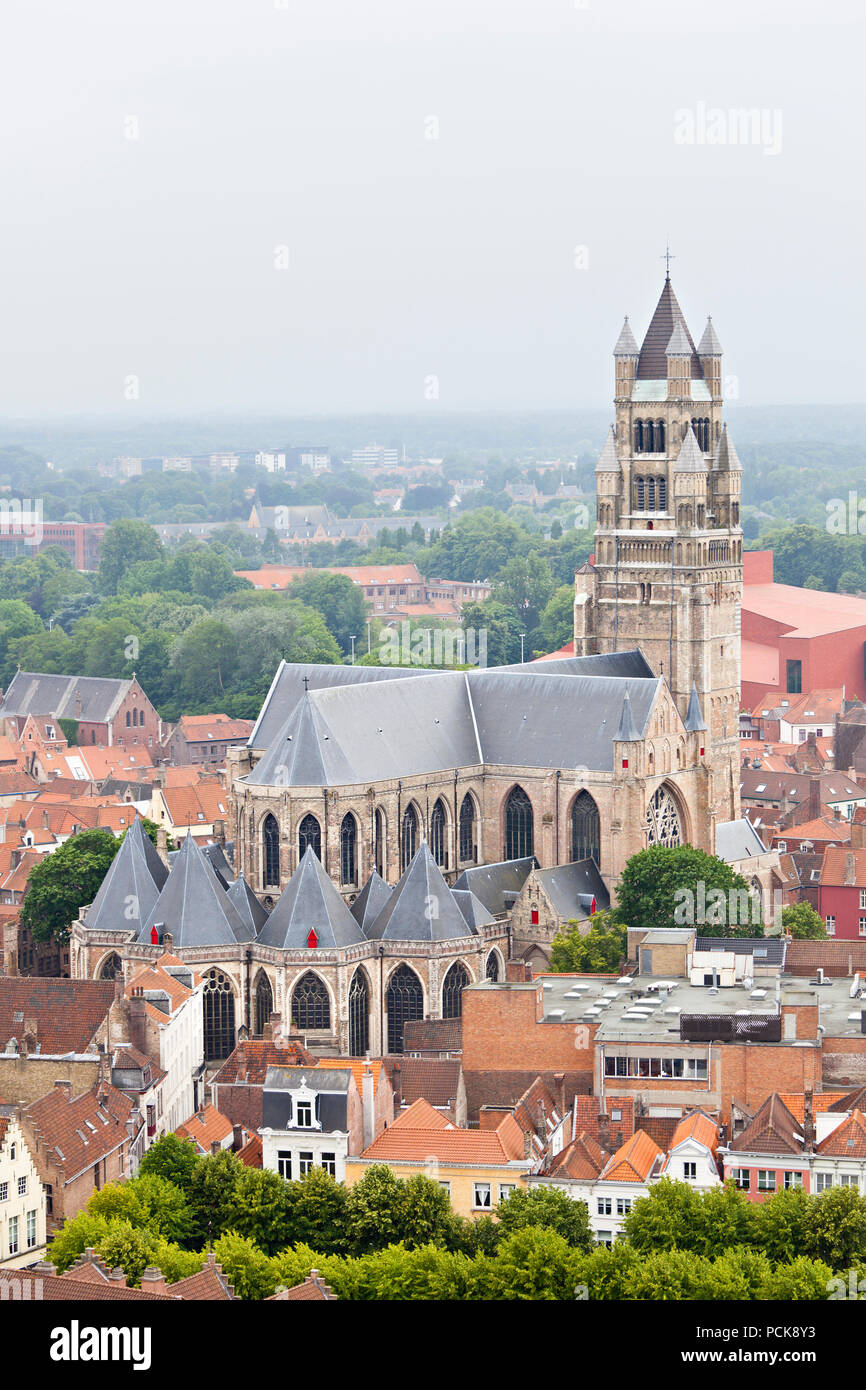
<point x="208" y="1130"/>
<point x="202" y="739"/>
<point x="808" y="1141"/>
<point x="107" y="712"/>
<point x="842" y="893"/>
<point x="79" y="1144"/>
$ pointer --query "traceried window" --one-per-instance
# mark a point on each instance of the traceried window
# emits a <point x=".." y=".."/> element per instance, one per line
<point x="311" y="1005"/>
<point x="404" y="1001"/>
<point x="663" y="820"/>
<point x="359" y="1014"/>
<point x="348" y="841"/>
<point x="438" y="838"/>
<point x="519" y="830"/>
<point x="452" y="990"/>
<point x="264" y="1001"/>
<point x="491" y="971"/>
<point x="585" y="828"/>
<point x="309" y="833"/>
<point x="219" y="1016"/>
<point x="467" y="831"/>
<point x="408" y="836"/>
<point x="111" y="967"/>
<point x="271" y="845"/>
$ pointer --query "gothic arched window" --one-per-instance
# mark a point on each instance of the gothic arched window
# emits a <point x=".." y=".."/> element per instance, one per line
<point x="438" y="829"/>
<point x="585" y="829"/>
<point x="519" y="837"/>
<point x="309" y="833"/>
<point x="404" y="1001"/>
<point x="660" y="436"/>
<point x="359" y="1014"/>
<point x="639" y="495"/>
<point x="408" y="836"/>
<point x="650" y="494"/>
<point x="452" y="990"/>
<point x="663" y="819"/>
<point x="271" y="845"/>
<point x="379" y="841"/>
<point x="311" y="1005"/>
<point x="111" y="967"/>
<point x="219" y="1016"/>
<point x="638" y="437"/>
<point x="348" y="841"/>
<point x="662" y="494"/>
<point x="264" y="1001"/>
<point x="467" y="830"/>
<point x="491" y="970"/>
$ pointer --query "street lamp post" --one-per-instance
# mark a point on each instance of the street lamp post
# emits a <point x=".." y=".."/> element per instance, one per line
<point x="522" y="637"/>
<point x="352" y="640"/>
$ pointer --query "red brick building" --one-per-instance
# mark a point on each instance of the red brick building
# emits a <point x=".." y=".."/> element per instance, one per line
<point x="106" y="712"/>
<point x="842" y="896"/>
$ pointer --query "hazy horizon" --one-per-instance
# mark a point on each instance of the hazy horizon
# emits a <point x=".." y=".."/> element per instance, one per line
<point x="316" y="210"/>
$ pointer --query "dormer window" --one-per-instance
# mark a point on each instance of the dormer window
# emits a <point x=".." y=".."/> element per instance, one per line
<point x="304" y="1114"/>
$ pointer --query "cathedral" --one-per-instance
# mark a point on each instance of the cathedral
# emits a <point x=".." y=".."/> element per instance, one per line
<point x="391" y="828"/>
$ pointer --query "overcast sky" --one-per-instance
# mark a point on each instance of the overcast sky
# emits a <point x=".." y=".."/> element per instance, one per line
<point x="429" y="171"/>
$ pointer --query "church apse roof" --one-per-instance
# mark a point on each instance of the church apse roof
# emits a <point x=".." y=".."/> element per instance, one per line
<point x="131" y="886"/>
<point x="421" y="907"/>
<point x="193" y="905"/>
<point x="242" y="897"/>
<point x="370" y="901"/>
<point x="310" y="901"/>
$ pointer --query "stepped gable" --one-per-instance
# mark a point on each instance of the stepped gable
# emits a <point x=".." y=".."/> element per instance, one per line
<point x="421" y="907"/>
<point x="247" y="904"/>
<point x="310" y="902"/>
<point x="370" y="901"/>
<point x="132" y="884"/>
<point x="194" y="907"/>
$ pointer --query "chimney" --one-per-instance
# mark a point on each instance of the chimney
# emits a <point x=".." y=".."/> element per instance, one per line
<point x="368" y="1104"/>
<point x="65" y="1088"/>
<point x="162" y="844"/>
<point x="215" y="1147"/>
<point x="559" y="1082"/>
<point x="604" y="1130"/>
<point x="117" y="1276"/>
<point x="153" y="1280"/>
<point x="138" y="1019"/>
<point x="167" y="942"/>
<point x="43" y="1267"/>
<point x="237" y="1137"/>
<point x="527" y="1144"/>
<point x="808" y="1120"/>
<point x="814" y="798"/>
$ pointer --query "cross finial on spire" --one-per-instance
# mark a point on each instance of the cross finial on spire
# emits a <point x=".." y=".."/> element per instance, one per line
<point x="306" y="683"/>
<point x="667" y="258"/>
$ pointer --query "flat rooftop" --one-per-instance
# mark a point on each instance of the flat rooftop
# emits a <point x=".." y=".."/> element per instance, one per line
<point x="646" y="1008"/>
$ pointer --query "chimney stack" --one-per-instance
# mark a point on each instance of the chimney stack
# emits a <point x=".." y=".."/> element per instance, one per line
<point x="153" y="1280"/>
<point x="604" y="1130"/>
<point x="808" y="1120"/>
<point x="65" y="1088"/>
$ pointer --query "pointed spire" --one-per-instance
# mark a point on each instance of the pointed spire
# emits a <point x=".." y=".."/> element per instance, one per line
<point x="421" y="907"/>
<point x="130" y="887"/>
<point x="607" y="459"/>
<point x="652" y="363"/>
<point x="244" y="899"/>
<point x="627" y="731"/>
<point x="690" y="459"/>
<point x="679" y="344"/>
<point x="694" y="714"/>
<point x="725" y="458"/>
<point x="194" y="907"/>
<point x="709" y="346"/>
<point x="310" y="901"/>
<point x="626" y="343"/>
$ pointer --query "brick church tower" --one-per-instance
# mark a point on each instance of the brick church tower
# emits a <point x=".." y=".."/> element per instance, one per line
<point x="666" y="575"/>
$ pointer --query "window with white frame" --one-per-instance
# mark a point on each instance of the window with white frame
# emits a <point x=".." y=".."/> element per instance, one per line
<point x="22" y="1187"/>
<point x="766" y="1180"/>
<point x="305" y="1163"/>
<point x="603" y="1206"/>
<point x="830" y="924"/>
<point x="793" y="1179"/>
<point x="284" y="1164"/>
<point x="505" y="1190"/>
<point x="304" y="1114"/>
<point x="13" y="1235"/>
<point x="4" y="1191"/>
<point x="447" y="1187"/>
<point x="782" y="845"/>
<point x="31" y="1229"/>
<point x="482" y="1196"/>
<point x="823" y="1181"/>
<point x="623" y="1206"/>
<point x="849" y="1180"/>
<point x="742" y="1178"/>
<point x="329" y="1163"/>
<point x="603" y="1238"/>
<point x="863" y="897"/>
<point x="690" y="1171"/>
<point x="861" y="926"/>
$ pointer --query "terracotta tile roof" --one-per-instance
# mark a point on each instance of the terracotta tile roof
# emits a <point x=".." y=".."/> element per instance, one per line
<point x="156" y="976"/>
<point x="251" y="1153"/>
<point x="54" y="1288"/>
<point x="181" y="776"/>
<point x="818" y="704"/>
<point x="772" y="1130"/>
<point x="15" y="781"/>
<point x="699" y="1127"/>
<point x="209" y="1285"/>
<point x="433" y="1035"/>
<point x="312" y="1289"/>
<point x="848" y="1140"/>
<point x="75" y="1132"/>
<point x="248" y="1064"/>
<point x="436" y="1079"/>
<point x="844" y="868"/>
<point x="201" y="804"/>
<point x="67" y="1013"/>
<point x="421" y="1133"/>
<point x="357" y="1067"/>
<point x="824" y="828"/>
<point x="821" y="1102"/>
<point x="205" y="728"/>
<point x="205" y="1128"/>
<point x="634" y="1161"/>
<point x="582" y="1160"/>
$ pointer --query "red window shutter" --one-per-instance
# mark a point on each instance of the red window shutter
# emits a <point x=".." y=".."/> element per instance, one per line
<point x="154" y="936"/>
<point x="312" y="939"/>
<point x="533" y="916"/>
<point x="593" y="907"/>
<point x="625" y="762"/>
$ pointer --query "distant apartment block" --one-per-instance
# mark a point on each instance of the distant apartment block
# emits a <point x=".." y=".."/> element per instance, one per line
<point x="227" y="463"/>
<point x="375" y="456"/>
<point x="274" y="463"/>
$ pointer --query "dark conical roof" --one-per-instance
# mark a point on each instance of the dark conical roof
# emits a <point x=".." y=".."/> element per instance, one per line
<point x="726" y="459"/>
<point x="194" y="906"/>
<point x="310" y="900"/>
<point x="652" y="362"/>
<point x="421" y="907"/>
<point x="694" y="713"/>
<point x="627" y="731"/>
<point x="370" y="901"/>
<point x="304" y="754"/>
<point x="131" y="886"/>
<point x="473" y="909"/>
<point x="244" y="899"/>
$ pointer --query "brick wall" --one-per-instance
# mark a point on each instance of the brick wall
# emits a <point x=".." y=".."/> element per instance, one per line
<point x="24" y="1079"/>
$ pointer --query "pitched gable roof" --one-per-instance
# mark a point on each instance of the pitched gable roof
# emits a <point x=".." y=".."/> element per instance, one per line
<point x="635" y="1161"/>
<point x="68" y="1013"/>
<point x="772" y="1130"/>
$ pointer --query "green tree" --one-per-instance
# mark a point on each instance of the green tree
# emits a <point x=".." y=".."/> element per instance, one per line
<point x="147" y="1200"/>
<point x="802" y="922"/>
<point x="550" y="1209"/>
<point x="211" y="1194"/>
<point x="674" y="1216"/>
<point x="534" y="1264"/>
<point x="376" y="1209"/>
<point x="339" y="601"/>
<point x="64" y="882"/>
<point x="665" y="887"/>
<point x="171" y="1158"/>
<point x="557" y="619"/>
<point x="596" y="950"/>
<point x="126" y="543"/>
<point x="253" y="1274"/>
<point x="836" y="1232"/>
<point x="318" y="1212"/>
<point x="260" y="1209"/>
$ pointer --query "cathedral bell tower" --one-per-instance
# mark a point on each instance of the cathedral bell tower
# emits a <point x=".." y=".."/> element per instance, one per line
<point x="667" y="571"/>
